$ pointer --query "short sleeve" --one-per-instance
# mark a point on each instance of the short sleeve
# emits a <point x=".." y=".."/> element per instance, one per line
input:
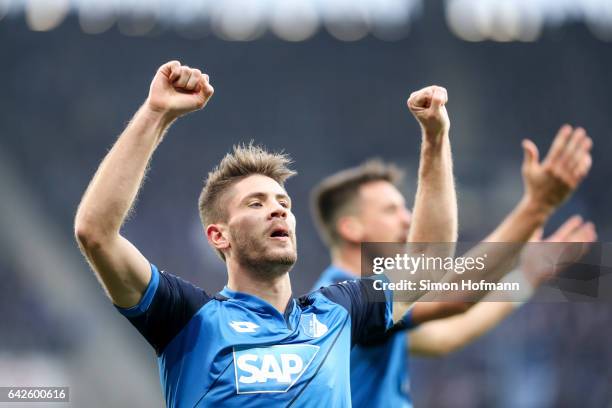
<point x="166" y="306"/>
<point x="370" y="309"/>
<point x="405" y="323"/>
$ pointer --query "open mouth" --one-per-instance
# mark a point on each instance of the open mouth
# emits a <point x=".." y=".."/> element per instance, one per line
<point x="279" y="233"/>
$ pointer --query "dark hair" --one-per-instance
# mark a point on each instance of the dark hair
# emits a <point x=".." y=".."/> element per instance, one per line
<point x="335" y="196"/>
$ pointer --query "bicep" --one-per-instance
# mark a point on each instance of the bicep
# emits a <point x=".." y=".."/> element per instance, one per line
<point x="121" y="268"/>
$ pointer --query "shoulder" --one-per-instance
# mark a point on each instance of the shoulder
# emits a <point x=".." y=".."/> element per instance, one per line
<point x="341" y="293"/>
<point x="166" y="307"/>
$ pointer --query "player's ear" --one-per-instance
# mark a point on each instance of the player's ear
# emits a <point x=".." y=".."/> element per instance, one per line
<point x="218" y="236"/>
<point x="350" y="229"/>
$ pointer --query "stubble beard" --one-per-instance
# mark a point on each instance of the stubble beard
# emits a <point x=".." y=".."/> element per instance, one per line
<point x="252" y="253"/>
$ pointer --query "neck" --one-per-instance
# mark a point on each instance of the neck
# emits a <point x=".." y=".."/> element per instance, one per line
<point x="348" y="258"/>
<point x="275" y="289"/>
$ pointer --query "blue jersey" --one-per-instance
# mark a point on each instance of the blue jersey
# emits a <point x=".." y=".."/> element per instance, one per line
<point x="236" y="350"/>
<point x="379" y="368"/>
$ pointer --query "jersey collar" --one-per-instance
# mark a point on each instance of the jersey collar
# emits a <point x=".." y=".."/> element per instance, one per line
<point x="257" y="304"/>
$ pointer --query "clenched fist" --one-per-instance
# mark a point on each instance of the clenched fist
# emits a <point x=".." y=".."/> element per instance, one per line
<point x="178" y="89"/>
<point x="549" y="183"/>
<point x="428" y="107"/>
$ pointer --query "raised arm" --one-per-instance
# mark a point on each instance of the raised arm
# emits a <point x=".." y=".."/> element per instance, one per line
<point x="121" y="268"/>
<point x="434" y="216"/>
<point x="444" y="336"/>
<point x="547" y="185"/>
<point x="435" y="205"/>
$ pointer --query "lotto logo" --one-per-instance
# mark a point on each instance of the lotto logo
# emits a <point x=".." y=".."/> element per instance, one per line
<point x="243" y="327"/>
<point x="271" y="369"/>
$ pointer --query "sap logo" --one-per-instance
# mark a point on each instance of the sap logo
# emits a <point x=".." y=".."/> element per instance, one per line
<point x="271" y="369"/>
<point x="243" y="327"/>
<point x="311" y="326"/>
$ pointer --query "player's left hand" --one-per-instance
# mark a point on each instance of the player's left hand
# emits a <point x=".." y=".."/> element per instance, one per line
<point x="428" y="107"/>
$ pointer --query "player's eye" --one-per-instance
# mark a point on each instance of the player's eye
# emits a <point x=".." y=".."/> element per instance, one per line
<point x="285" y="204"/>
<point x="255" y="204"/>
<point x="390" y="210"/>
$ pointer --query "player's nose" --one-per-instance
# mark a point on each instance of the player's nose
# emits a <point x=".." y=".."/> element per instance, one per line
<point x="278" y="211"/>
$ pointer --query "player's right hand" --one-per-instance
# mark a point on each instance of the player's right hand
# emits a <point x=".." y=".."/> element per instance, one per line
<point x="428" y="107"/>
<point x="178" y="89"/>
<point x="549" y="183"/>
<point x="569" y="243"/>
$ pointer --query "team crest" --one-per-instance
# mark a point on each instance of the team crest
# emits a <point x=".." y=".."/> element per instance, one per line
<point x="311" y="326"/>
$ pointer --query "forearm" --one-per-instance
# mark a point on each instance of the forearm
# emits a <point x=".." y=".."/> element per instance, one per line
<point x="435" y="212"/>
<point x="423" y="312"/>
<point x="499" y="256"/>
<point x="521" y="223"/>
<point x="444" y="336"/>
<point x="112" y="191"/>
<point x="435" y="206"/>
<point x="500" y="249"/>
<point x="122" y="269"/>
<point x="547" y="185"/>
<point x="503" y="246"/>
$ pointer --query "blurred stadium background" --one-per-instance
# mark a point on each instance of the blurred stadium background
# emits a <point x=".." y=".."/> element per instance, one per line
<point x="327" y="82"/>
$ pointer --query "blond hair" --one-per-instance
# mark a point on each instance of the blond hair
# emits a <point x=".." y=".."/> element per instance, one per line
<point x="243" y="161"/>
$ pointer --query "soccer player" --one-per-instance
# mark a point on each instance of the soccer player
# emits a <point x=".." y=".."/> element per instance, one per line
<point x="251" y="344"/>
<point x="364" y="204"/>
